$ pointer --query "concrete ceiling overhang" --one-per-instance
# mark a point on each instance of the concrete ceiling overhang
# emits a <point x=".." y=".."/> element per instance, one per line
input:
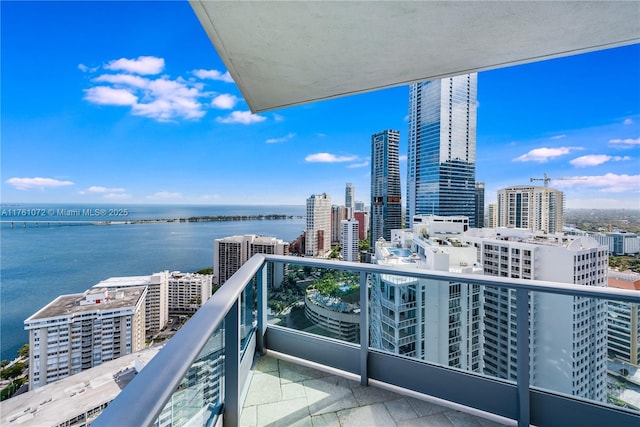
<point x="287" y="53"/>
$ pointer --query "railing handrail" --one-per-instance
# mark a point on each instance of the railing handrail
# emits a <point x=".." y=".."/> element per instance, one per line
<point x="627" y="295"/>
<point x="141" y="402"/>
<point x="143" y="399"/>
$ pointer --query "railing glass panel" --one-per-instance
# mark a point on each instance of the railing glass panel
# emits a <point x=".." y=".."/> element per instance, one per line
<point x="198" y="399"/>
<point x="582" y="347"/>
<point x="317" y="300"/>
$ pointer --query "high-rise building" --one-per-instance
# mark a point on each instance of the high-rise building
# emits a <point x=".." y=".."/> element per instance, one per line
<point x="492" y="215"/>
<point x="359" y="206"/>
<point x="188" y="291"/>
<point x="230" y="253"/>
<point x="535" y="208"/>
<point x="318" y="233"/>
<point x="568" y="334"/>
<point x="79" y="331"/>
<point x="441" y="157"/>
<point x="386" y="199"/>
<point x="349" y="199"/>
<point x="479" y="200"/>
<point x="350" y="239"/>
<point x="156" y="301"/>
<point x="363" y="223"/>
<point x="439" y="321"/>
<point x="338" y="214"/>
<point x="623" y="320"/>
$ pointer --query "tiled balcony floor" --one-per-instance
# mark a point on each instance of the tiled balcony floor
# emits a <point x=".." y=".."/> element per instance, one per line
<point x="282" y="393"/>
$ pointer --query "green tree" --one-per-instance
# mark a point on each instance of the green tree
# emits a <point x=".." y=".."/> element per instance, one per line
<point x="13" y="371"/>
<point x="363" y="245"/>
<point x="206" y="270"/>
<point x="24" y="351"/>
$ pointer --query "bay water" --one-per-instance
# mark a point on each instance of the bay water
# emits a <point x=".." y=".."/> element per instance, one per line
<point x="49" y="250"/>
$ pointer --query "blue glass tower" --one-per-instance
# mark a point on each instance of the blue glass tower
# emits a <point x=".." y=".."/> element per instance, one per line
<point x="441" y="158"/>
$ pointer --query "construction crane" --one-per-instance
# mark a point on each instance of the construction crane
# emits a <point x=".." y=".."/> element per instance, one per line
<point x="546" y="179"/>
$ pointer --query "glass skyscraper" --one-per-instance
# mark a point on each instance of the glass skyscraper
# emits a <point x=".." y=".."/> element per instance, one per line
<point x="386" y="197"/>
<point x="441" y="158"/>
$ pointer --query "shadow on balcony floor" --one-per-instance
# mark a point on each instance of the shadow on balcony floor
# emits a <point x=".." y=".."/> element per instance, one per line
<point x="282" y="393"/>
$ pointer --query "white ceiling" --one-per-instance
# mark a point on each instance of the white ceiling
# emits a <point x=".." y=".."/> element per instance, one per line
<point x="286" y="53"/>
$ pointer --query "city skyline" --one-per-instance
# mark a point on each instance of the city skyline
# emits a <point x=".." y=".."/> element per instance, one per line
<point x="93" y="115"/>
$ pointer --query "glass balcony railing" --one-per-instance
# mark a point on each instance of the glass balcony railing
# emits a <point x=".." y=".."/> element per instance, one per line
<point x="458" y="337"/>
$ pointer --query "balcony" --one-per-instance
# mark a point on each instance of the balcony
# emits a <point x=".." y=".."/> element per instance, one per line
<point x="211" y="372"/>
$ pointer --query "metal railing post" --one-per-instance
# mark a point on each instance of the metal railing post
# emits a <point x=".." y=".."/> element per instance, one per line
<point x="523" y="365"/>
<point x="261" y="288"/>
<point x="364" y="329"/>
<point x="231" y="414"/>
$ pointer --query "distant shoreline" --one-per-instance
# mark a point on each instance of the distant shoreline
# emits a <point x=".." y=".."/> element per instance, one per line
<point x="202" y="219"/>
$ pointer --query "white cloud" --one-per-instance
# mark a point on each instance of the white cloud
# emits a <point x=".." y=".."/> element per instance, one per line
<point x="628" y="121"/>
<point x="596" y="159"/>
<point x="558" y="136"/>
<point x="224" y="101"/>
<point x="627" y="141"/>
<point x="359" y="165"/>
<point x="36" y="183"/>
<point x="544" y="154"/>
<point x="123" y="80"/>
<point x="213" y="75"/>
<point x="608" y="183"/>
<point x="243" y="117"/>
<point x="109" y="96"/>
<point x="402" y="158"/>
<point x="329" y="158"/>
<point x="278" y="117"/>
<point x="165" y="195"/>
<point x="279" y="140"/>
<point x="141" y="65"/>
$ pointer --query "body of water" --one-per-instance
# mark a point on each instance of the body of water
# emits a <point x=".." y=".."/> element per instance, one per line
<point x="43" y="256"/>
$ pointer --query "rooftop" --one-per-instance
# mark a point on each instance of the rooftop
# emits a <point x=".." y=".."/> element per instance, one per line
<point x="69" y="397"/>
<point x="92" y="300"/>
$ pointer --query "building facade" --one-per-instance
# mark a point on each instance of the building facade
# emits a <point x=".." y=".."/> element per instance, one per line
<point x="350" y="241"/>
<point x="188" y="291"/>
<point x="79" y="331"/>
<point x="492" y="215"/>
<point x="386" y="198"/>
<point x="441" y="157"/>
<point x="338" y="214"/>
<point x="349" y="199"/>
<point x="318" y="232"/>
<point x="433" y="320"/>
<point x="534" y="208"/>
<point x="156" y="301"/>
<point x="230" y="253"/>
<point x="568" y="334"/>
<point x="479" y="202"/>
<point x="623" y="321"/>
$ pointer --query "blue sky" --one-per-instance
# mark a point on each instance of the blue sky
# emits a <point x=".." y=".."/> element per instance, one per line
<point x="128" y="103"/>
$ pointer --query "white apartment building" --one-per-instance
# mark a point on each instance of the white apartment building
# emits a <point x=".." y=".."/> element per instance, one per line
<point x="79" y="331"/>
<point x="568" y="334"/>
<point x="230" y="253"/>
<point x="157" y="300"/>
<point x="437" y="321"/>
<point x="350" y="231"/>
<point x="318" y="232"/>
<point x="531" y="207"/>
<point x="188" y="291"/>
<point x="623" y="321"/>
<point x="492" y="215"/>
